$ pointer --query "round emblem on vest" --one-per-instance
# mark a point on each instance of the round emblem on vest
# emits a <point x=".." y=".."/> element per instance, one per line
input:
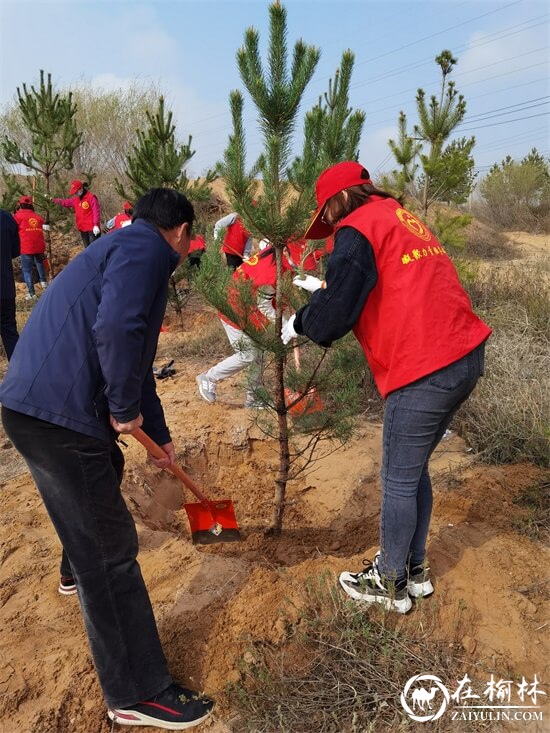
<point x="413" y="225"/>
<point x="33" y="222"/>
<point x="253" y="260"/>
<point x="85" y="205"/>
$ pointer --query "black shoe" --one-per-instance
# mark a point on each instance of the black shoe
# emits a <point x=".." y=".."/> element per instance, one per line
<point x="175" y="708"/>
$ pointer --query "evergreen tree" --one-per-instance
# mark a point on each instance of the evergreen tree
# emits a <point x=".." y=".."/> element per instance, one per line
<point x="453" y="179"/>
<point x="436" y="123"/>
<point x="279" y="213"/>
<point x="157" y="160"/>
<point x="53" y="138"/>
<point x="404" y="150"/>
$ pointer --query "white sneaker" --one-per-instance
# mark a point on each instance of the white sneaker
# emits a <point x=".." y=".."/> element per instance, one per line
<point x="368" y="586"/>
<point x="207" y="388"/>
<point x="43" y="285"/>
<point x="30" y="296"/>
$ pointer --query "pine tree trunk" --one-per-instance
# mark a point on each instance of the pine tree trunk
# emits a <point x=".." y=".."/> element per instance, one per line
<point x="280" y="407"/>
<point x="48" y="235"/>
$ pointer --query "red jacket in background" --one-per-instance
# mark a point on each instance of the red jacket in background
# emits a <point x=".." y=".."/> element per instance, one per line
<point x="121" y="219"/>
<point x="86" y="210"/>
<point x="236" y="237"/>
<point x="417" y="318"/>
<point x="31" y="235"/>
<point x="260" y="271"/>
<point x="197" y="244"/>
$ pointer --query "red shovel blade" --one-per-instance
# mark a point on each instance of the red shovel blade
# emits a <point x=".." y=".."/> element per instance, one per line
<point x="212" y="521"/>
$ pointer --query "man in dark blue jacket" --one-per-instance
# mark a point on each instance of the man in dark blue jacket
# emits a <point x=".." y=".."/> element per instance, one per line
<point x="9" y="248"/>
<point x="82" y="374"/>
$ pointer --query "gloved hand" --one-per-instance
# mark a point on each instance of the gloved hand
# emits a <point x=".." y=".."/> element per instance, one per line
<point x="287" y="331"/>
<point x="310" y="283"/>
<point x="46" y="227"/>
<point x="96" y="231"/>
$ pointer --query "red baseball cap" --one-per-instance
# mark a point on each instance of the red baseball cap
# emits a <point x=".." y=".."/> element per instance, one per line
<point x="25" y="200"/>
<point x="331" y="181"/>
<point x="126" y="206"/>
<point x="75" y="186"/>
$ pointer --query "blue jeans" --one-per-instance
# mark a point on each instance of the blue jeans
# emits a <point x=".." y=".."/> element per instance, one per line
<point x="415" y="420"/>
<point x="79" y="478"/>
<point x="27" y="262"/>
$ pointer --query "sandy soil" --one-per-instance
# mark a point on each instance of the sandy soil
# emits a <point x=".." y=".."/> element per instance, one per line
<point x="210" y="602"/>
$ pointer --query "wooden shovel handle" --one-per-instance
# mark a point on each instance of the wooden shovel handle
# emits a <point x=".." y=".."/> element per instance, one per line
<point x="156" y="451"/>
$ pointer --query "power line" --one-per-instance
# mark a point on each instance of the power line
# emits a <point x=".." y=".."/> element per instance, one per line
<point x="506" y="122"/>
<point x="486" y="116"/>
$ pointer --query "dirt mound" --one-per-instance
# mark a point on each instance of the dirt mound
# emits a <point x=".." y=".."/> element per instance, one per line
<point x="213" y="604"/>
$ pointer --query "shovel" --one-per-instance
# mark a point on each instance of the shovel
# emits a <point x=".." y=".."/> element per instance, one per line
<point x="302" y="404"/>
<point x="210" y="521"/>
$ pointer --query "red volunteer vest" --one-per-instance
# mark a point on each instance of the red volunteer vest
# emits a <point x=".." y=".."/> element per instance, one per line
<point x="417" y="318"/>
<point x="259" y="271"/>
<point x="30" y="232"/>
<point x="197" y="244"/>
<point x="120" y="220"/>
<point x="236" y="237"/>
<point x="83" y="213"/>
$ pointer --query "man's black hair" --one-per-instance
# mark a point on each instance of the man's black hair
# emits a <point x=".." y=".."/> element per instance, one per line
<point x="165" y="208"/>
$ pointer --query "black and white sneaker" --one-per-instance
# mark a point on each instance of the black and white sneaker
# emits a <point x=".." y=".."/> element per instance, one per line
<point x="419" y="584"/>
<point x="175" y="708"/>
<point x="370" y="587"/>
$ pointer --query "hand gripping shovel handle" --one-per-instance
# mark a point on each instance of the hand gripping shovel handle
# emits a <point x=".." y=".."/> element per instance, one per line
<point x="156" y="451"/>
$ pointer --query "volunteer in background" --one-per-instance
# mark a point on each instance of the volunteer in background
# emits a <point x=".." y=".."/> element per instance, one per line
<point x="86" y="211"/>
<point x="9" y="248"/>
<point x="80" y="376"/>
<point x="390" y="280"/>
<point x="33" y="244"/>
<point x="123" y="218"/>
<point x="237" y="241"/>
<point x="261" y="272"/>
<point x="196" y="251"/>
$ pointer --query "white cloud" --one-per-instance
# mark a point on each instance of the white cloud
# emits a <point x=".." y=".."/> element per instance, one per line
<point x="501" y="56"/>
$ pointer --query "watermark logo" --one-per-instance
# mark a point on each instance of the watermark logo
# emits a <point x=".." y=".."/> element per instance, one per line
<point x="425" y="700"/>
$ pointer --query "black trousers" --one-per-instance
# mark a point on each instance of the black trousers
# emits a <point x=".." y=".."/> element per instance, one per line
<point x="233" y="261"/>
<point x="8" y="325"/>
<point x="79" y="478"/>
<point x="88" y="238"/>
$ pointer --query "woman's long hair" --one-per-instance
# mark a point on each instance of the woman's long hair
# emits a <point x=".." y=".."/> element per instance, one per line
<point x="339" y="205"/>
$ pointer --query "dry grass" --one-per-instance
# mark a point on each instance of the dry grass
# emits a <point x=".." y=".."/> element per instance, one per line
<point x="342" y="669"/>
<point x="508" y="416"/>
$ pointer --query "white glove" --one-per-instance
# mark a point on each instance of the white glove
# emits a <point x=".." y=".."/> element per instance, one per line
<point x="46" y="227"/>
<point x="310" y="283"/>
<point x="95" y="231"/>
<point x="287" y="331"/>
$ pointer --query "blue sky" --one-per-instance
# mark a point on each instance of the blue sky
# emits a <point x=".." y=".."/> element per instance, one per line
<point x="187" y="48"/>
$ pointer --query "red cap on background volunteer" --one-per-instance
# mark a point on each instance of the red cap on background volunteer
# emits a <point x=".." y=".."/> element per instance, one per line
<point x="126" y="206"/>
<point x="25" y="200"/>
<point x="75" y="186"/>
<point x="331" y="181"/>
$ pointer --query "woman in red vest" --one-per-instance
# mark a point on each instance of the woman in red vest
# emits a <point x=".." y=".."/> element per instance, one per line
<point x="392" y="283"/>
<point x="86" y="211"/>
<point x="33" y="244"/>
<point x="237" y="241"/>
<point x="260" y="272"/>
